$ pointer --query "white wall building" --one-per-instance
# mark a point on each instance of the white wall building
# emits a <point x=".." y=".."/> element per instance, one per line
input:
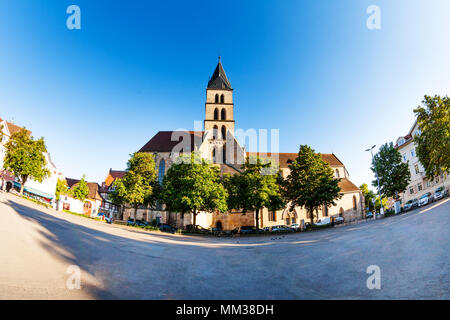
<point x="44" y="190"/>
<point x="419" y="184"/>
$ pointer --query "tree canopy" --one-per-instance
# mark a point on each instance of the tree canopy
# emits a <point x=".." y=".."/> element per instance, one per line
<point x="81" y="190"/>
<point x="61" y="188"/>
<point x="257" y="187"/>
<point x="25" y="157"/>
<point x="137" y="186"/>
<point x="193" y="185"/>
<point x="311" y="183"/>
<point x="368" y="196"/>
<point x="433" y="142"/>
<point x="393" y="174"/>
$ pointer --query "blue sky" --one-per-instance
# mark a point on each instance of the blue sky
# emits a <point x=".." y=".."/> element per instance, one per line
<point x="311" y="69"/>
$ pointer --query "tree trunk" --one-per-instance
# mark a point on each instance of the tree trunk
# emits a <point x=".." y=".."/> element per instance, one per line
<point x="257" y="219"/>
<point x="311" y="217"/>
<point x="262" y="219"/>
<point x="194" y="221"/>
<point x="22" y="185"/>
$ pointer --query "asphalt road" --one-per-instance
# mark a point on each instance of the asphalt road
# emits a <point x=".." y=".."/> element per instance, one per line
<point x="38" y="245"/>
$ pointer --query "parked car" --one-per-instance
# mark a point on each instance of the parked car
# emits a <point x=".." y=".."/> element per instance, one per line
<point x="411" y="204"/>
<point x="247" y="230"/>
<point x="266" y="229"/>
<point x="167" y="228"/>
<point x="425" y="199"/>
<point x="323" y="222"/>
<point x="439" y="193"/>
<point x="130" y="222"/>
<point x="281" y="228"/>
<point x="141" y="223"/>
<point x="338" y="220"/>
<point x="197" y="228"/>
<point x="369" y="215"/>
<point x="295" y="227"/>
<point x="307" y="225"/>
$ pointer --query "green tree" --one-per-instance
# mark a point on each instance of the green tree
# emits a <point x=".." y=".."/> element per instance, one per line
<point x="81" y="190"/>
<point x="192" y="185"/>
<point x="138" y="184"/>
<point x="368" y="196"/>
<point x="25" y="157"/>
<point x="393" y="174"/>
<point x="61" y="188"/>
<point x="257" y="187"/>
<point x="378" y="205"/>
<point x="311" y="183"/>
<point x="433" y="143"/>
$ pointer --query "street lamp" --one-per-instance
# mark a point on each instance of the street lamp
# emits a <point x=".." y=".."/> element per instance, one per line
<point x="378" y="182"/>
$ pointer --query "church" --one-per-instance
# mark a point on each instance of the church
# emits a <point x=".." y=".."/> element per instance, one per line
<point x="218" y="144"/>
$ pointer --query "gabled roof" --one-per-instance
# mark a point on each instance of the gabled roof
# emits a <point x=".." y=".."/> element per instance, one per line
<point x="112" y="176"/>
<point x="347" y="186"/>
<point x="285" y="159"/>
<point x="117" y="173"/>
<point x="92" y="186"/>
<point x="409" y="137"/>
<point x="12" y="128"/>
<point x="71" y="182"/>
<point x="162" y="141"/>
<point x="219" y="79"/>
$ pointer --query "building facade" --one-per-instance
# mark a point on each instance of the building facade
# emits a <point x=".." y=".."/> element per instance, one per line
<point x="43" y="191"/>
<point x="108" y="207"/>
<point x="90" y="206"/>
<point x="419" y="184"/>
<point x="218" y="144"/>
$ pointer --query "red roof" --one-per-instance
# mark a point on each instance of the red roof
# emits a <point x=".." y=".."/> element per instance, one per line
<point x="117" y="174"/>
<point x="12" y="128"/>
<point x="163" y="141"/>
<point x="347" y="186"/>
<point x="285" y="159"/>
<point x="92" y="186"/>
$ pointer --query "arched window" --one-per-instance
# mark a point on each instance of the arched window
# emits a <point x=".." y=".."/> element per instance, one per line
<point x="354" y="203"/>
<point x="161" y="171"/>
<point x="216" y="114"/>
<point x="341" y="212"/>
<point x="337" y="173"/>
<point x="222" y="99"/>
<point x="215" y="132"/>
<point x="217" y="98"/>
<point x="224" y="132"/>
<point x="214" y="155"/>
<point x="223" y="114"/>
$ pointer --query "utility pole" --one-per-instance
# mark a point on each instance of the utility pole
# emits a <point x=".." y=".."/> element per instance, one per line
<point x="378" y="182"/>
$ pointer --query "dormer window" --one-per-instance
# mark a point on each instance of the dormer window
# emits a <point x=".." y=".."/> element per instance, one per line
<point x="401" y="141"/>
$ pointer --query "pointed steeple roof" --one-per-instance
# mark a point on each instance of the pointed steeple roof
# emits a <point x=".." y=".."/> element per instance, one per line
<point x="219" y="79"/>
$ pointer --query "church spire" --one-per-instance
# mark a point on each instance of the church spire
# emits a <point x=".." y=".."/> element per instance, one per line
<point x="219" y="79"/>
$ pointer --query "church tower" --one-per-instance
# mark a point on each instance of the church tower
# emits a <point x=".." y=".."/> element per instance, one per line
<point x="219" y="104"/>
<point x="219" y="119"/>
